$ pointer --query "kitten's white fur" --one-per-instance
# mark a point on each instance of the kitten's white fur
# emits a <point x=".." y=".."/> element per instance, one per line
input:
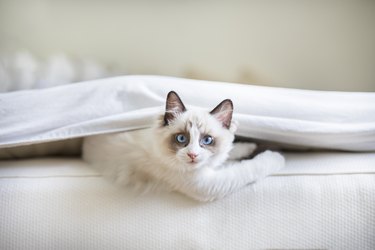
<point x="149" y="158"/>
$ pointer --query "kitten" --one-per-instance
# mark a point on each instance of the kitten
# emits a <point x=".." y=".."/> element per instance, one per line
<point x="189" y="151"/>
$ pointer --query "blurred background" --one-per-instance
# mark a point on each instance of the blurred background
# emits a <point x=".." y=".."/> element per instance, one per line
<point x="308" y="44"/>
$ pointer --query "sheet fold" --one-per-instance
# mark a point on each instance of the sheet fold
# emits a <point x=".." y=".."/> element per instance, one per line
<point x="317" y="119"/>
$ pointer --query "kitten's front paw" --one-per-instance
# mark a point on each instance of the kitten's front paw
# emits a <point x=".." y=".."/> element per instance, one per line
<point x="270" y="162"/>
<point x="242" y="150"/>
<point x="247" y="147"/>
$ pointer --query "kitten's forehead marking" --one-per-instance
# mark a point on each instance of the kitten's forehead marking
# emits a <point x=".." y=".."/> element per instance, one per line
<point x="197" y="122"/>
<point x="188" y="126"/>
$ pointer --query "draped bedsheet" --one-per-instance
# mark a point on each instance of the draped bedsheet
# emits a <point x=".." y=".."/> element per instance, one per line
<point x="302" y="118"/>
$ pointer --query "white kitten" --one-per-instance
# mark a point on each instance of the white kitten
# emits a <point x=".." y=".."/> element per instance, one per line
<point x="189" y="151"/>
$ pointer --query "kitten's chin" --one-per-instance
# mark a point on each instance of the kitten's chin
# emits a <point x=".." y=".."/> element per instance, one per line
<point x="185" y="165"/>
<point x="193" y="165"/>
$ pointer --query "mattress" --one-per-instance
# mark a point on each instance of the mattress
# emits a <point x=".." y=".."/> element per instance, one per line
<point x="321" y="200"/>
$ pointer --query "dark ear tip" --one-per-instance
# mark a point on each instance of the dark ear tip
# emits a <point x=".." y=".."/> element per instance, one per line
<point x="172" y="93"/>
<point x="174" y="102"/>
<point x="229" y="101"/>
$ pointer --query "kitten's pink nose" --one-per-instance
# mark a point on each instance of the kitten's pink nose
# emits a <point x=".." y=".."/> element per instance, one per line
<point x="192" y="155"/>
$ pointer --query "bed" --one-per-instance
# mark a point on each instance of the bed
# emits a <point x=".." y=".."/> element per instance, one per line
<point x="323" y="199"/>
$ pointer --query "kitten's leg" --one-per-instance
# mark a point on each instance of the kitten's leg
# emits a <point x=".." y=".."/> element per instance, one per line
<point x="241" y="150"/>
<point x="214" y="184"/>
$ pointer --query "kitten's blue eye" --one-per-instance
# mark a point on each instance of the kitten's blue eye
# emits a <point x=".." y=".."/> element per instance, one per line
<point x="207" y="140"/>
<point x="180" y="138"/>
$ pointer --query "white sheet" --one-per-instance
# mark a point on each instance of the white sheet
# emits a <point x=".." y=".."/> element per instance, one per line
<point x="335" y="120"/>
<point x="63" y="204"/>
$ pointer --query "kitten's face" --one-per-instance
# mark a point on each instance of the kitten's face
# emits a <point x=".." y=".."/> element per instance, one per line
<point x="195" y="139"/>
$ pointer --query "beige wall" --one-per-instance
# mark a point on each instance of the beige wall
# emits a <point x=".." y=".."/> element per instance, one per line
<point x="315" y="44"/>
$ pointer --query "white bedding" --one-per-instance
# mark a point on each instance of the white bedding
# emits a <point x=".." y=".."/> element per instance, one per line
<point x="321" y="200"/>
<point x="334" y="120"/>
<point x="57" y="203"/>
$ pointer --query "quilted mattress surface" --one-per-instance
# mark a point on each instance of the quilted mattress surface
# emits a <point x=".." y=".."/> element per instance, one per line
<point x="320" y="201"/>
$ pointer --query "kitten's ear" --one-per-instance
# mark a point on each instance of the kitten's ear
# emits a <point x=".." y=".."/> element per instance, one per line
<point x="223" y="112"/>
<point x="173" y="107"/>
